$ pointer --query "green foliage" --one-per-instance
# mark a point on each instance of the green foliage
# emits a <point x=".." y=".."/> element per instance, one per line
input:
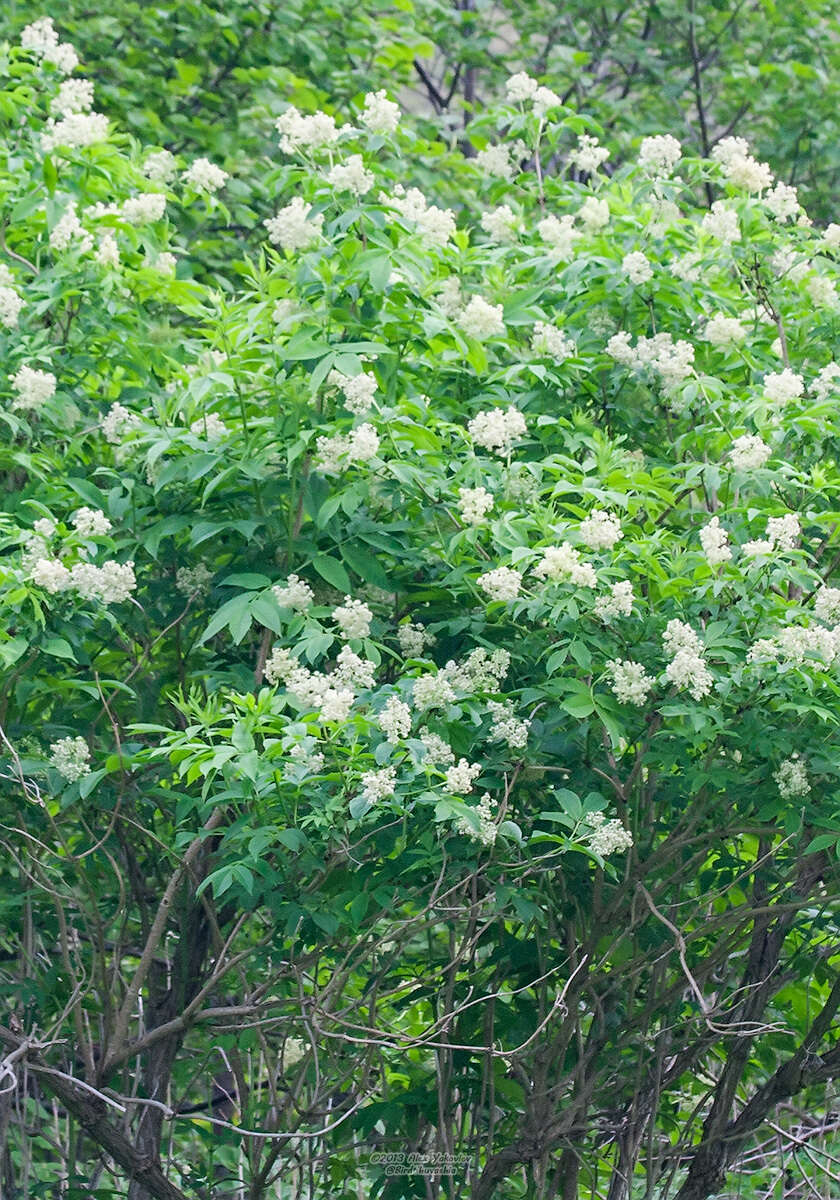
<point x="419" y="666"/>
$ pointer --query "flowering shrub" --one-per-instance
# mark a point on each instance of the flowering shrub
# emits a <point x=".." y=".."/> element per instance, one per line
<point x="422" y="657"/>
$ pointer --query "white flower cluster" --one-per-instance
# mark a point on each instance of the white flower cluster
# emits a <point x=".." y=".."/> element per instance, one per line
<point x="795" y="644"/>
<point x="193" y="581"/>
<point x="783" y="532"/>
<point x="211" y="427"/>
<point x="659" y="155"/>
<point x="70" y="756"/>
<point x="293" y="228"/>
<point x="460" y="777"/>
<point x="479" y="671"/>
<point x="299" y="132"/>
<point x="672" y="361"/>
<point x="827" y="605"/>
<point x="781" y="387"/>
<point x="594" y="214"/>
<point x="160" y="166"/>
<point x="506" y="726"/>
<point x="831" y="236"/>
<point x="500" y="223"/>
<point x="395" y="719"/>
<point x="359" y="445"/>
<point x="496" y="161"/>
<point x="68" y="229"/>
<point x="782" y="201"/>
<point x="522" y="87"/>
<point x="108" y="252"/>
<point x="497" y="429"/>
<point x="560" y="234"/>
<point x="353" y="670"/>
<point x="42" y="39"/>
<point x="351" y="176"/>
<point x="792" y="779"/>
<point x="413" y="639"/>
<point x="303" y="760"/>
<point x="822" y="290"/>
<point x="380" y="114"/>
<point x="487" y="830"/>
<point x="474" y="504"/>
<point x="32" y="387"/>
<point x="687" y="668"/>
<point x="636" y="266"/>
<point x="607" y="837"/>
<point x="112" y="583"/>
<point x="715" y="542"/>
<point x="143" y="208"/>
<point x="295" y="594"/>
<point x="10" y="302"/>
<point x="748" y="452"/>
<point x="74" y="95"/>
<point x="589" y="154"/>
<point x="117" y="422"/>
<point x="721" y="223"/>
<point x="561" y="564"/>
<point x="204" y="176"/>
<point x="481" y="320"/>
<point x="724" y="331"/>
<point x="630" y="683"/>
<point x="502" y="583"/>
<point x="312" y="689"/>
<point x="435" y="225"/>
<point x="353" y="618"/>
<point x="432" y="691"/>
<point x="739" y="166"/>
<point x="550" y="341"/>
<point x="600" y="530"/>
<point x="379" y="785"/>
<point x="436" y="750"/>
<point x="90" y="522"/>
<point x="74" y="131"/>
<point x="617" y="603"/>
<point x="358" y="390"/>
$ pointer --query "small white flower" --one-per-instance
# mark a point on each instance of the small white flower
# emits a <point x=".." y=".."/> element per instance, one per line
<point x="715" y="542"/>
<point x="379" y="785"/>
<point x="792" y="778"/>
<point x="460" y="777"/>
<point x="748" y="452"/>
<point x="204" y="176"/>
<point x="474" y="504"/>
<point x="636" y="267"/>
<point x="295" y="594"/>
<point x="380" y="114"/>
<point x="497" y="429"/>
<point x="395" y="719"/>
<point x="481" y="320"/>
<point x="630" y="683"/>
<point x="600" y="530"/>
<point x="659" y="155"/>
<point x="70" y="756"/>
<point x="353" y="618"/>
<point x="502" y="583"/>
<point x="91" y="522"/>
<point x="293" y="228"/>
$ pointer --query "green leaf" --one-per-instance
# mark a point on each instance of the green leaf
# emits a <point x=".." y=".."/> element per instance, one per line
<point x="59" y="648"/>
<point x="333" y="571"/>
<point x="246" y="580"/>
<point x="365" y="565"/>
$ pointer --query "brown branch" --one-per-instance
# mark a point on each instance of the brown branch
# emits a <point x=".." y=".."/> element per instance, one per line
<point x="124" y="1015"/>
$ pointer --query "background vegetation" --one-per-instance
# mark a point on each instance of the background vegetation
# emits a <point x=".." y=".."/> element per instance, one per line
<point x="418" y="704"/>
